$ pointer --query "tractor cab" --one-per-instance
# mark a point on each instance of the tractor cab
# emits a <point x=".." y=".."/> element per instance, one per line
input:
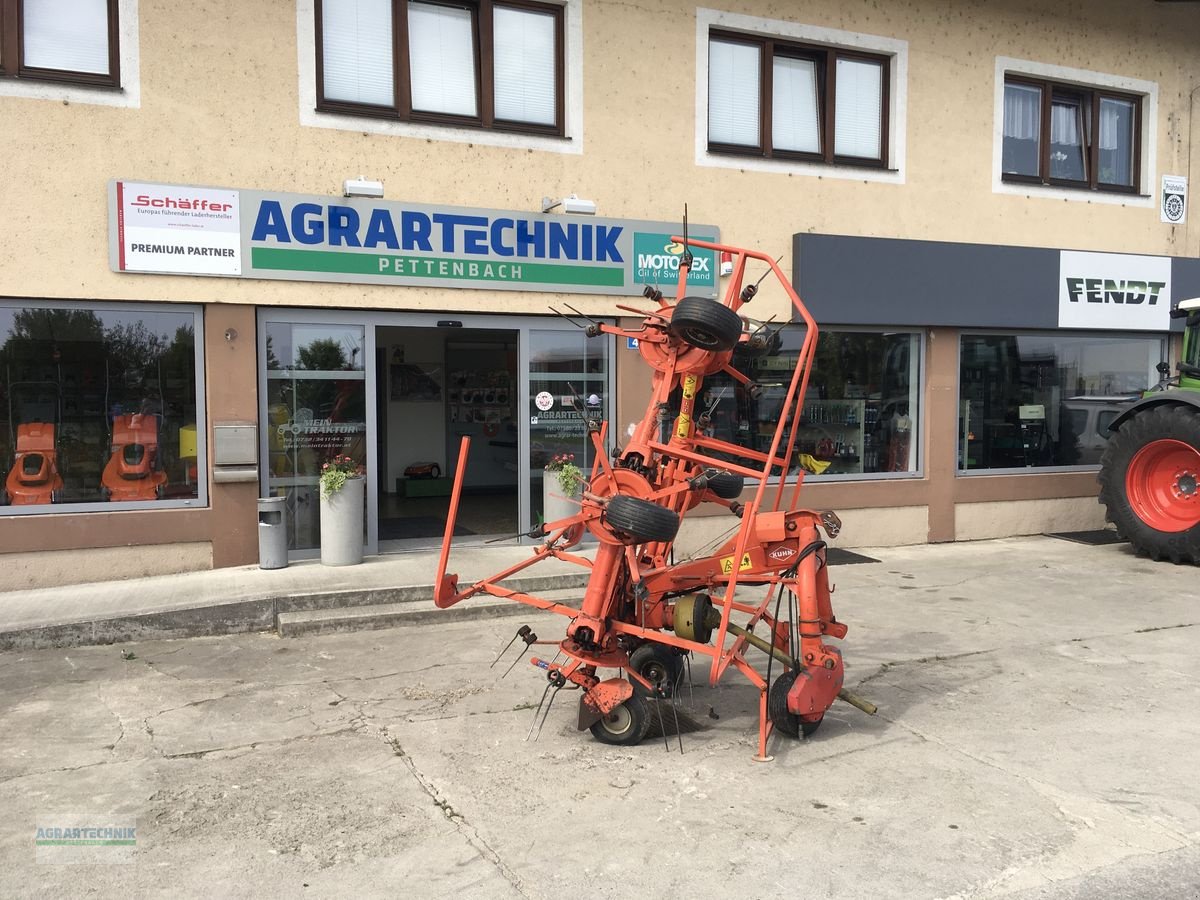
<point x="1189" y="363"/>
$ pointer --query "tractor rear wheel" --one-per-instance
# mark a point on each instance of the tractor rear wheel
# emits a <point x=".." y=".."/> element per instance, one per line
<point x="625" y="725"/>
<point x="641" y="519"/>
<point x="1150" y="482"/>
<point x="660" y="665"/>
<point x="706" y="324"/>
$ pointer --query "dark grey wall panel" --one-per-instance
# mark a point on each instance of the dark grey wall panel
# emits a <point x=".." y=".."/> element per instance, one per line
<point x="847" y="280"/>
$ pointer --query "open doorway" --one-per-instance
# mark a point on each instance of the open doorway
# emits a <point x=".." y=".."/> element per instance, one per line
<point x="436" y="385"/>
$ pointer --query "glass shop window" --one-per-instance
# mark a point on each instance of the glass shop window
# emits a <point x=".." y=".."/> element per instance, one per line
<point x="98" y="405"/>
<point x="316" y="410"/>
<point x="1039" y="400"/>
<point x="860" y="415"/>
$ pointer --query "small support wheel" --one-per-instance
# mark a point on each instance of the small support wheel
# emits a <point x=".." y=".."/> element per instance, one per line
<point x="706" y="324"/>
<point x="660" y="665"/>
<point x="785" y="722"/>
<point x="726" y="485"/>
<point x="625" y="725"/>
<point x="642" y="520"/>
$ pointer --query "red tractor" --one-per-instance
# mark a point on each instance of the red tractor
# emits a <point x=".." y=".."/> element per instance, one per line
<point x="642" y="612"/>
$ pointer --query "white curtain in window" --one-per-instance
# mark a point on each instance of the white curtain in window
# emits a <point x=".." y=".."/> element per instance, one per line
<point x="858" y="120"/>
<point x="356" y="51"/>
<point x="795" y="123"/>
<point x="524" y="54"/>
<point x="66" y="34"/>
<point x="1064" y="124"/>
<point x="1116" y="124"/>
<point x="441" y="51"/>
<point x="1022" y="111"/>
<point x="733" y="93"/>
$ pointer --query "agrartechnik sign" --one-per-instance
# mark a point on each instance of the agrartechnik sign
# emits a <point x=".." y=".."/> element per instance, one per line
<point x="300" y="237"/>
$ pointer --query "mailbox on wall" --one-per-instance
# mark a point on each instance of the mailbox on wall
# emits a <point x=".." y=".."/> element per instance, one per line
<point x="235" y="452"/>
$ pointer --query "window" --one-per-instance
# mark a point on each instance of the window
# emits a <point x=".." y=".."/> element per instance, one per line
<point x="860" y="415"/>
<point x="1066" y="135"/>
<point x="776" y="99"/>
<point x="485" y="64"/>
<point x="316" y="408"/>
<point x="60" y="40"/>
<point x="1033" y="400"/>
<point x="99" y="405"/>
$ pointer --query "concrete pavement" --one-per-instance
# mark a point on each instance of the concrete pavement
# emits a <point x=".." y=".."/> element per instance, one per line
<point x="1037" y="738"/>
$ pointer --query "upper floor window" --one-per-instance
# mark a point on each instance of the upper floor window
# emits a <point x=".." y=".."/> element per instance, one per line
<point x="60" y="40"/>
<point x="776" y="99"/>
<point x="1066" y="135"/>
<point x="486" y="64"/>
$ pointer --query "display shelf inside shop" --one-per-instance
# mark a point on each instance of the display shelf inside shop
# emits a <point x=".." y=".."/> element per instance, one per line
<point x="833" y="430"/>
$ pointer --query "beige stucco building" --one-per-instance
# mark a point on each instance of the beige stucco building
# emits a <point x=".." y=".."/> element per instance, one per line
<point x="977" y="200"/>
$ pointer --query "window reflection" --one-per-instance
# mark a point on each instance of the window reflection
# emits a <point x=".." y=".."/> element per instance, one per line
<point x="861" y="412"/>
<point x="1043" y="400"/>
<point x="97" y="405"/>
<point x="316" y="409"/>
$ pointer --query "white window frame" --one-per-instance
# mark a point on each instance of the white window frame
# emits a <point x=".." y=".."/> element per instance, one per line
<point x="571" y="142"/>
<point x="1083" y="78"/>
<point x="896" y="50"/>
<point x="128" y="95"/>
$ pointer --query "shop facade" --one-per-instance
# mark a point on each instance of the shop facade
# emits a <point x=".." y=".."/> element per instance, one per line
<point x="928" y="217"/>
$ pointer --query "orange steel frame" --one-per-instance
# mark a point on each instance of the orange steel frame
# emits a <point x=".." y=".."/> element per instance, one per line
<point x="778" y="545"/>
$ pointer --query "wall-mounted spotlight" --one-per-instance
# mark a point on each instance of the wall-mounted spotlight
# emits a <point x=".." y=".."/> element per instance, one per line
<point x="572" y="205"/>
<point x="361" y="187"/>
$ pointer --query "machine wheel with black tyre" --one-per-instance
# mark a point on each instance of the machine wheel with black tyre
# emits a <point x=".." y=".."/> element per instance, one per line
<point x="660" y="665"/>
<point x="706" y="324"/>
<point x="641" y="519"/>
<point x="1150" y="482"/>
<point x="435" y="471"/>
<point x="785" y="721"/>
<point x="726" y="485"/>
<point x="625" y="725"/>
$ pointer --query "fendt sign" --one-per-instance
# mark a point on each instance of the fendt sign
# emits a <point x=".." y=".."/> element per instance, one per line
<point x="1114" y="290"/>
<point x="306" y="238"/>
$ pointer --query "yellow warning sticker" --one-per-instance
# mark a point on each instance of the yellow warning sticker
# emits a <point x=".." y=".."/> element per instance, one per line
<point x="727" y="564"/>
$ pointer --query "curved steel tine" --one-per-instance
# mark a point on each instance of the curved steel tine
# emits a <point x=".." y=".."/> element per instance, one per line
<point x="661" y="725"/>
<point x="538" y="710"/>
<point x="675" y="707"/>
<point x="547" y="712"/>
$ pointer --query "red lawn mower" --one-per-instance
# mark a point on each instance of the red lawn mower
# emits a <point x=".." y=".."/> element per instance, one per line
<point x="34" y="477"/>
<point x="133" y="470"/>
<point x="643" y="613"/>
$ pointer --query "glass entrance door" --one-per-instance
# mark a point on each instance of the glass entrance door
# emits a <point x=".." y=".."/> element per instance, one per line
<point x="316" y="392"/>
<point x="563" y="365"/>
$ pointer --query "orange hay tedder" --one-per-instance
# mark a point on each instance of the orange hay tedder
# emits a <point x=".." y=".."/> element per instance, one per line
<point x="643" y="613"/>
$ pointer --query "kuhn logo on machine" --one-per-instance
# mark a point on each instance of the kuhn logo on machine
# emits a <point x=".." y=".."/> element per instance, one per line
<point x="782" y="553"/>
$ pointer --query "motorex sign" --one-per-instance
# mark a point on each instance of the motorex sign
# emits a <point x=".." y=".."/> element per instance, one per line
<point x="656" y="260"/>
<point x="301" y="237"/>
